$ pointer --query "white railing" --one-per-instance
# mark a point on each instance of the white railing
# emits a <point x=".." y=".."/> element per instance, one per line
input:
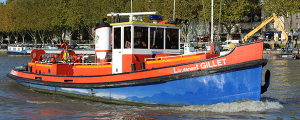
<point x="92" y="63"/>
<point x="39" y="62"/>
<point x="161" y="58"/>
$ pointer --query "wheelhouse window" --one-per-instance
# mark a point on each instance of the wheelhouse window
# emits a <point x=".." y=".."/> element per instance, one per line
<point x="156" y="38"/>
<point x="127" y="37"/>
<point x="172" y="37"/>
<point x="141" y="37"/>
<point x="117" y="38"/>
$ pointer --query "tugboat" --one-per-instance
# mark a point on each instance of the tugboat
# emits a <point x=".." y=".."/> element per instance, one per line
<point x="139" y="63"/>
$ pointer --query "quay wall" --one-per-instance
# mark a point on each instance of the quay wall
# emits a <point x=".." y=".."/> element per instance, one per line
<point x="3" y="51"/>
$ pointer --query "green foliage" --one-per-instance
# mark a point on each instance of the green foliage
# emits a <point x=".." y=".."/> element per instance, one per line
<point x="281" y="7"/>
<point x="58" y="15"/>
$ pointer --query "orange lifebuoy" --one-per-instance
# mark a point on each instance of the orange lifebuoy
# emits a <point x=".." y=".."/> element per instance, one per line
<point x="64" y="46"/>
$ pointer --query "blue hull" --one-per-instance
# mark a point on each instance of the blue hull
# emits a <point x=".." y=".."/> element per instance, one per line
<point x="202" y="90"/>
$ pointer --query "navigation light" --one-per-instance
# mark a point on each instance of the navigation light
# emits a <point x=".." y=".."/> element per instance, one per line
<point x="155" y="17"/>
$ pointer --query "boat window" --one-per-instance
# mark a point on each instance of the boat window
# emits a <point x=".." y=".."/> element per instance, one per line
<point x="117" y="38"/>
<point x="156" y="38"/>
<point x="172" y="38"/>
<point x="127" y="37"/>
<point x="141" y="37"/>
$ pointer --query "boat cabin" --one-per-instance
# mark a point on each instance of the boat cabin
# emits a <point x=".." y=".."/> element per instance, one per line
<point x="132" y="42"/>
<point x="120" y="47"/>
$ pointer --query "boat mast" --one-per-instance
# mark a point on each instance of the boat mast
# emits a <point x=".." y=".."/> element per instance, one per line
<point x="174" y="11"/>
<point x="212" y="24"/>
<point x="212" y="28"/>
<point x="131" y="17"/>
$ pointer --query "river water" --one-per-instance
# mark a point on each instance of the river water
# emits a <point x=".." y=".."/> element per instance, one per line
<point x="281" y="101"/>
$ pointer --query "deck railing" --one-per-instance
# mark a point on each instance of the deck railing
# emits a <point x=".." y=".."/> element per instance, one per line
<point x="167" y="57"/>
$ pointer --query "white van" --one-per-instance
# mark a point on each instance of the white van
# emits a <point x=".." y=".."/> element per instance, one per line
<point x="227" y="42"/>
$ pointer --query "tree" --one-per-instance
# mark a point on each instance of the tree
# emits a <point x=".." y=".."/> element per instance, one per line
<point x="232" y="11"/>
<point x="40" y="18"/>
<point x="59" y="11"/>
<point x="33" y="19"/>
<point x="91" y="15"/>
<point x="15" y="24"/>
<point x="2" y="10"/>
<point x="185" y="14"/>
<point x="165" y="8"/>
<point x="282" y="8"/>
<point x="22" y="18"/>
<point x="75" y="16"/>
<point x="8" y="17"/>
<point x="44" y="20"/>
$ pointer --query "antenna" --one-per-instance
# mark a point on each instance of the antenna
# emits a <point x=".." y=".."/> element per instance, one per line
<point x="174" y="11"/>
<point x="134" y="13"/>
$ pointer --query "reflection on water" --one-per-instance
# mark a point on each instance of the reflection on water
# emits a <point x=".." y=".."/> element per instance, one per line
<point x="281" y="101"/>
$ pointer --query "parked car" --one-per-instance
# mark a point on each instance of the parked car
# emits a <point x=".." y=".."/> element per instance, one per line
<point x="266" y="46"/>
<point x="83" y="47"/>
<point x="228" y="42"/>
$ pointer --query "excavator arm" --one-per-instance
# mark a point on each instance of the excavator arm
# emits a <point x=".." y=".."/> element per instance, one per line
<point x="276" y="20"/>
<point x="268" y="20"/>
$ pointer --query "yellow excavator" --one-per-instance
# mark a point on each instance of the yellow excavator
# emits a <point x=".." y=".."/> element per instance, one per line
<point x="268" y="20"/>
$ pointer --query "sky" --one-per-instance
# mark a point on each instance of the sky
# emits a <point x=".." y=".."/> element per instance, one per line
<point x="2" y="1"/>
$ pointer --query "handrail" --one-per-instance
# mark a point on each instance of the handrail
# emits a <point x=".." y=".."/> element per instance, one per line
<point x="91" y="63"/>
<point x="39" y="62"/>
<point x="161" y="58"/>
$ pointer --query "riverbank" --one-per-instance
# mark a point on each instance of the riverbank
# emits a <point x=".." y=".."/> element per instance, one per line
<point x="279" y="54"/>
<point x="277" y="51"/>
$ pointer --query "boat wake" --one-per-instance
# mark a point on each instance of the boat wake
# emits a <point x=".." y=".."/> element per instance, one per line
<point x="237" y="106"/>
<point x="41" y="102"/>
